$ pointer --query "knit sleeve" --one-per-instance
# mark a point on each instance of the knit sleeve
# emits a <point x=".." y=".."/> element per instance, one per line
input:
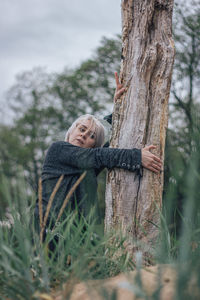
<point x="87" y="158"/>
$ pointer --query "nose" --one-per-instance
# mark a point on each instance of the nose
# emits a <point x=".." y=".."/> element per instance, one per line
<point x="84" y="135"/>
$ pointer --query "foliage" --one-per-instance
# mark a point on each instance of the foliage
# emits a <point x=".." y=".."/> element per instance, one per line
<point x="184" y="132"/>
<point x="90" y="87"/>
<point x="27" y="266"/>
<point x="26" y="139"/>
<point x="45" y="105"/>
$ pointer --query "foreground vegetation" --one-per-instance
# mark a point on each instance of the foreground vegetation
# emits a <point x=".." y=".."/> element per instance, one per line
<point x="28" y="266"/>
<point x="82" y="252"/>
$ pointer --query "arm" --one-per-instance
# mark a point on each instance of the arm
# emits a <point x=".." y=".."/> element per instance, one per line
<point x="65" y="154"/>
<point x="149" y="160"/>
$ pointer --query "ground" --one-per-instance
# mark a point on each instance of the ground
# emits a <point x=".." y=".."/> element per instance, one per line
<point x="126" y="286"/>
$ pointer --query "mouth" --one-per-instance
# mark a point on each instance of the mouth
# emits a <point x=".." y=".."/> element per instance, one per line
<point x="80" y="141"/>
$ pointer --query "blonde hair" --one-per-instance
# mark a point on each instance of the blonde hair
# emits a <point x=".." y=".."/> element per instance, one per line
<point x="99" y="129"/>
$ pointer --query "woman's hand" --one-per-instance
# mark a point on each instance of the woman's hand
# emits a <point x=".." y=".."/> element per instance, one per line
<point x="151" y="161"/>
<point x="119" y="88"/>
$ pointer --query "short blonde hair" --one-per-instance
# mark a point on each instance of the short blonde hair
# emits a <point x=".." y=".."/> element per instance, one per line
<point x="99" y="129"/>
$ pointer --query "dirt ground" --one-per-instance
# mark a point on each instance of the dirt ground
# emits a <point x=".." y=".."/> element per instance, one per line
<point x="125" y="286"/>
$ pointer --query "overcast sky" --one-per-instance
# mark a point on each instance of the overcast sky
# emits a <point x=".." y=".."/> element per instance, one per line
<point x="52" y="33"/>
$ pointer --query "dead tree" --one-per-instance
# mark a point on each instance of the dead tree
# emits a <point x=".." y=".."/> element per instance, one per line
<point x="140" y="117"/>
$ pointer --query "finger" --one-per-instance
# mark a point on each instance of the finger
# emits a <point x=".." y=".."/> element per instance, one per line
<point x="120" y="86"/>
<point x="154" y="170"/>
<point x="148" y="148"/>
<point x="156" y="167"/>
<point x="151" y="147"/>
<point x="157" y="159"/>
<point x="120" y="92"/>
<point x="116" y="79"/>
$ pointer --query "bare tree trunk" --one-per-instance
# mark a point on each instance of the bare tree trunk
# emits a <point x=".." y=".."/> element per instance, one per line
<point x="141" y="115"/>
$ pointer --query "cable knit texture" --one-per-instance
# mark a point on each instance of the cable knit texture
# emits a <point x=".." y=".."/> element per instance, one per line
<point x="71" y="161"/>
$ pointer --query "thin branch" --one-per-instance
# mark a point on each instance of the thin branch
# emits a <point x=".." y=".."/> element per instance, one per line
<point x="180" y="102"/>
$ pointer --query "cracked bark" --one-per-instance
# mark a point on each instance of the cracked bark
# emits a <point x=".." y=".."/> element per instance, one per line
<point x="141" y="115"/>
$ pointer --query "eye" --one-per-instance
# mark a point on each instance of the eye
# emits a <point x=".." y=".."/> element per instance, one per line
<point x="82" y="129"/>
<point x="92" y="136"/>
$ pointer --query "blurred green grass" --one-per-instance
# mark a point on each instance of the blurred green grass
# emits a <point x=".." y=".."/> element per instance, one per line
<point x="84" y="252"/>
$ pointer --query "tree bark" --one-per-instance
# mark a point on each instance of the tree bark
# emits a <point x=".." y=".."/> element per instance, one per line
<point x="141" y="116"/>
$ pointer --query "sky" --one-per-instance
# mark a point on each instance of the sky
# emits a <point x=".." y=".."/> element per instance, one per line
<point x="52" y="34"/>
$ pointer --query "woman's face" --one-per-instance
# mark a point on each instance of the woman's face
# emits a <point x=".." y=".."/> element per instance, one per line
<point x="83" y="135"/>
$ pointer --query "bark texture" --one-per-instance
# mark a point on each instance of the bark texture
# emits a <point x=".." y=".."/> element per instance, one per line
<point x="141" y="115"/>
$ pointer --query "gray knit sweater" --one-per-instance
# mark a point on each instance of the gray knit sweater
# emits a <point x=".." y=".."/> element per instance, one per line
<point x="71" y="161"/>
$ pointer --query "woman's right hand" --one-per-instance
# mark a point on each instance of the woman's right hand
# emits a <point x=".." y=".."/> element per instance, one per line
<point x="151" y="161"/>
<point x="119" y="88"/>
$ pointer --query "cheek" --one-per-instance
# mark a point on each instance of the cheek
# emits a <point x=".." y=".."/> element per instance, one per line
<point x="89" y="143"/>
<point x="92" y="143"/>
<point x="72" y="135"/>
<point x="69" y="138"/>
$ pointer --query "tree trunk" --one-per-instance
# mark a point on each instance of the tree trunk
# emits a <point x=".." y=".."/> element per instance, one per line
<point x="141" y="116"/>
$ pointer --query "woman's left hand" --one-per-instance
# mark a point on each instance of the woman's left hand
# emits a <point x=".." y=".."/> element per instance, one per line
<point x="119" y="88"/>
<point x="151" y="161"/>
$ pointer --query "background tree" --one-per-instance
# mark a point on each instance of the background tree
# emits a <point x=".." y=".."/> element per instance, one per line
<point x="183" y="135"/>
<point x="42" y="106"/>
<point x="35" y="120"/>
<point x="90" y="87"/>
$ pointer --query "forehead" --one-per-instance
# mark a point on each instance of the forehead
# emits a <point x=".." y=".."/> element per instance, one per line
<point x="87" y="124"/>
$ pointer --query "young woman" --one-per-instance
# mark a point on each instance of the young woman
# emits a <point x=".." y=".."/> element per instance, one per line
<point x="83" y="150"/>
